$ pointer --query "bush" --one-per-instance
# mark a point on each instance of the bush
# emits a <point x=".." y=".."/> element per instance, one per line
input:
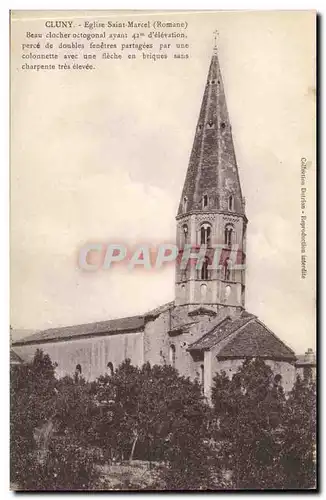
<point x="41" y="457"/>
<point x="66" y="467"/>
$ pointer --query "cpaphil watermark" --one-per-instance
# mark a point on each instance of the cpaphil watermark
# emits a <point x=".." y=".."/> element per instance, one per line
<point x="96" y="256"/>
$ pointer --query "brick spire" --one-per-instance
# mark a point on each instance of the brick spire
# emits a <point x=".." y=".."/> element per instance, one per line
<point x="212" y="169"/>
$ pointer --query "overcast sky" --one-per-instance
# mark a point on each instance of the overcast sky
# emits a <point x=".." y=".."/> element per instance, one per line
<point x="102" y="155"/>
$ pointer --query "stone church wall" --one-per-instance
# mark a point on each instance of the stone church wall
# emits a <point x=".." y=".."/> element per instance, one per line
<point x="93" y="353"/>
<point x="230" y="366"/>
<point x="286" y="370"/>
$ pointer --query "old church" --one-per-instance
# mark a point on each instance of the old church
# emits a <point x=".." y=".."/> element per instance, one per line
<point x="206" y="328"/>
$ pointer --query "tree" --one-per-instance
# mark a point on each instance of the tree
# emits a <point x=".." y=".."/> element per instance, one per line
<point x="47" y="451"/>
<point x="76" y="409"/>
<point x="68" y="467"/>
<point x="249" y="410"/>
<point x="298" y="454"/>
<point x="155" y="414"/>
<point x="32" y="400"/>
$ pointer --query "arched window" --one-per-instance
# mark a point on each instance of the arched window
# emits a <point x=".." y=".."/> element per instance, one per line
<point x="203" y="291"/>
<point x="227" y="292"/>
<point x="172" y="355"/>
<point x="110" y="368"/>
<point x="202" y="375"/>
<point x="78" y="372"/>
<point x="231" y="203"/>
<point x="185" y="233"/>
<point x="228" y="269"/>
<point x="228" y="235"/>
<point x="184" y="204"/>
<point x="205" y="234"/>
<point x="184" y="272"/>
<point x="205" y="201"/>
<point x="204" y="270"/>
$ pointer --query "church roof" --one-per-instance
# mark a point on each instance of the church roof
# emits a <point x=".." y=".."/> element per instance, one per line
<point x="243" y="337"/>
<point x="99" y="328"/>
<point x="220" y="332"/>
<point x="212" y="169"/>
<point x="153" y="313"/>
<point x="112" y="326"/>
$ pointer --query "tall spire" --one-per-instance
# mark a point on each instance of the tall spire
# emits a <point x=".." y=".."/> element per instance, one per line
<point x="215" y="33"/>
<point x="212" y="169"/>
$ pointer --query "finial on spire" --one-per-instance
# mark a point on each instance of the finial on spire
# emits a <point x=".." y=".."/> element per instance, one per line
<point x="216" y="34"/>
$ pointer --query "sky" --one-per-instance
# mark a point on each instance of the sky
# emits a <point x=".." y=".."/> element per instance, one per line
<point x="101" y="156"/>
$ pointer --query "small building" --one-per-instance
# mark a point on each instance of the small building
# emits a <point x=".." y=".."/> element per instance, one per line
<point x="306" y="365"/>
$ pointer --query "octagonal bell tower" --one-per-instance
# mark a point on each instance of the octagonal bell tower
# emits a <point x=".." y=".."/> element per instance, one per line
<point x="211" y="212"/>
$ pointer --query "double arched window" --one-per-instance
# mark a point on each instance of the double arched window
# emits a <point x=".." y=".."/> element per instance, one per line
<point x="228" y="235"/>
<point x="205" y="234"/>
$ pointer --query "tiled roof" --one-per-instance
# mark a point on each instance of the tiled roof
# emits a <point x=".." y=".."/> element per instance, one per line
<point x="243" y="337"/>
<point x="158" y="310"/>
<point x="212" y="158"/>
<point x="100" y="328"/>
<point x="131" y="323"/>
<point x="255" y="339"/>
<point x="220" y="332"/>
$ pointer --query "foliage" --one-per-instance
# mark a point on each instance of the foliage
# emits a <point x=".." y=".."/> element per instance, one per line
<point x="45" y="452"/>
<point x="249" y="409"/>
<point x="76" y="408"/>
<point x="298" y="454"/>
<point x="154" y="414"/>
<point x="252" y="436"/>
<point x="32" y="395"/>
<point x="268" y="440"/>
<point x="67" y="467"/>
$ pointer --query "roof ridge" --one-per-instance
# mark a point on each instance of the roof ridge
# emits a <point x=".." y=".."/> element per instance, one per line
<point x="152" y="313"/>
<point x="219" y="324"/>
<point x="90" y="323"/>
<point x="275" y="336"/>
<point x="93" y="328"/>
<point x="210" y="331"/>
<point x="255" y="339"/>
